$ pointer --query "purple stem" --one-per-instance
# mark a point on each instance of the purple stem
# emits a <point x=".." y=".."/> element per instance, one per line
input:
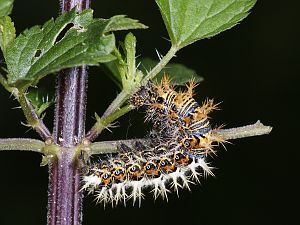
<point x="64" y="196"/>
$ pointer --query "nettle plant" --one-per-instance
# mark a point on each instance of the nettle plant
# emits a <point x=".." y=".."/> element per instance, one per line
<point x="175" y="152"/>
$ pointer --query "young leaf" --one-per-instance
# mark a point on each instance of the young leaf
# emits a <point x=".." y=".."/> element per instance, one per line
<point x="41" y="99"/>
<point x="123" y="70"/>
<point x="131" y="72"/>
<point x="7" y="33"/>
<point x="188" y="21"/>
<point x="6" y="7"/>
<point x="178" y="73"/>
<point x="120" y="22"/>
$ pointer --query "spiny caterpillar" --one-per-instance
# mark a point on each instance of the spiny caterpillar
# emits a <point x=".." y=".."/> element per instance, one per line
<point x="174" y="156"/>
<point x="177" y="117"/>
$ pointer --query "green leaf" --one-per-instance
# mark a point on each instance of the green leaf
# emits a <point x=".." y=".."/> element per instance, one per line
<point x="130" y="49"/>
<point x="123" y="70"/>
<point x="188" y="21"/>
<point x="178" y="73"/>
<point x="121" y="22"/>
<point x="41" y="99"/>
<point x="71" y="40"/>
<point x="7" y="33"/>
<point x="6" y="7"/>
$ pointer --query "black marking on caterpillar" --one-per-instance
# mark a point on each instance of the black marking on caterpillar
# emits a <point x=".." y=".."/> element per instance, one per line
<point x="124" y="177"/>
<point x="176" y="156"/>
<point x="177" y="115"/>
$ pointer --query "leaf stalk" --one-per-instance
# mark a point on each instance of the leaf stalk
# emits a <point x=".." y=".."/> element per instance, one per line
<point x="32" y="117"/>
<point x="104" y="122"/>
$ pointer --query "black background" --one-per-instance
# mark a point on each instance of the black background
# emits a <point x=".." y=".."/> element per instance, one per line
<point x="252" y="69"/>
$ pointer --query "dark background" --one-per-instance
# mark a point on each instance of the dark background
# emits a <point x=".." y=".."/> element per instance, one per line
<point x="252" y="69"/>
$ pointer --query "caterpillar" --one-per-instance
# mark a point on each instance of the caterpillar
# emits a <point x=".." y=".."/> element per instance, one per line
<point x="125" y="176"/>
<point x="175" y="155"/>
<point x="177" y="115"/>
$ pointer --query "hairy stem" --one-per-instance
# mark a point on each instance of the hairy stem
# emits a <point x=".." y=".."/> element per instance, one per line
<point x="227" y="134"/>
<point x="246" y="131"/>
<point x="106" y="147"/>
<point x="64" y="196"/>
<point x="117" y="103"/>
<point x="32" y="117"/>
<point x="67" y="5"/>
<point x="104" y="122"/>
<point x="162" y="63"/>
<point x="22" y="144"/>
